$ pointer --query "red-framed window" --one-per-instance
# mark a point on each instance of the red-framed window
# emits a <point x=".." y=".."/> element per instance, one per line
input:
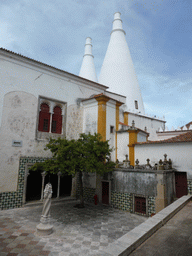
<point x="140" y="204"/>
<point x="56" y="126"/>
<point x="44" y="118"/>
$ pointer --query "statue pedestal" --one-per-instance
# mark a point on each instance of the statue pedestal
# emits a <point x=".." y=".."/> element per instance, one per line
<point x="44" y="229"/>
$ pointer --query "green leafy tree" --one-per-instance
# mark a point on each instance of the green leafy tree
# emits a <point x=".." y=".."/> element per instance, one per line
<point x="87" y="154"/>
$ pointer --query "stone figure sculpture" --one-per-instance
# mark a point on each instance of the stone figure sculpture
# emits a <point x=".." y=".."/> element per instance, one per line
<point x="44" y="228"/>
<point x="47" y="203"/>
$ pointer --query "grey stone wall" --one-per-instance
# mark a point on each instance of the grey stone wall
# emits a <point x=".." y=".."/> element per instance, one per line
<point x="170" y="186"/>
<point x="133" y="181"/>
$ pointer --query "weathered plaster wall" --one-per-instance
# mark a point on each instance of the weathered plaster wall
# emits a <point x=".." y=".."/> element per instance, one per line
<point x="19" y="75"/>
<point x="170" y="186"/>
<point x="20" y="119"/>
<point x="22" y="81"/>
<point x="90" y="116"/>
<point x="180" y="154"/>
<point x="111" y="121"/>
<point x="89" y="180"/>
<point x="18" y="123"/>
<point x="74" y="121"/>
<point x="141" y="122"/>
<point x="122" y="145"/>
<point x="141" y="137"/>
<point x="134" y="182"/>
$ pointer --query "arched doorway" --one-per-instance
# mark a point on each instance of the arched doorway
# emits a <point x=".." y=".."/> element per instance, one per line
<point x="35" y="182"/>
<point x="34" y="185"/>
<point x="53" y="179"/>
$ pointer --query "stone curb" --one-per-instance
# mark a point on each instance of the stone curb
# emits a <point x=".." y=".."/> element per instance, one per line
<point x="134" y="238"/>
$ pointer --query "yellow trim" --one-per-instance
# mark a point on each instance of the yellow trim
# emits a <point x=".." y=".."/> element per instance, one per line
<point x="132" y="141"/>
<point x="126" y="117"/>
<point x="101" y="122"/>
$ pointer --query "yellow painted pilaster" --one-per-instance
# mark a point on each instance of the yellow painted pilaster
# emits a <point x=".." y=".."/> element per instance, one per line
<point x="132" y="141"/>
<point x="101" y="122"/>
<point x="126" y="117"/>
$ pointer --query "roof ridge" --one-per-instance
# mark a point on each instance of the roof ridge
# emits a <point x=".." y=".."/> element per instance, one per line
<point x="185" y="137"/>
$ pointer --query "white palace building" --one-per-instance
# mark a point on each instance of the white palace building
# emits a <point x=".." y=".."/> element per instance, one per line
<point x="38" y="101"/>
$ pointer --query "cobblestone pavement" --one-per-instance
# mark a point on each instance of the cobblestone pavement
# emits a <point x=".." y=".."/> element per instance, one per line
<point x="175" y="238"/>
<point x="76" y="231"/>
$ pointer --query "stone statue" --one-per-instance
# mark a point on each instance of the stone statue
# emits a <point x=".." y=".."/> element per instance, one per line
<point x="47" y="203"/>
<point x="44" y="228"/>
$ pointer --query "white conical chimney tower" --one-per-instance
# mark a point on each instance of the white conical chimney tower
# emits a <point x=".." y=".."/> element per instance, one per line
<point x="118" y="72"/>
<point x="88" y="68"/>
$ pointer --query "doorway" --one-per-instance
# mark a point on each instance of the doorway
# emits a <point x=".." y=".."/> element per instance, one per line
<point x="53" y="179"/>
<point x="105" y="192"/>
<point x="140" y="204"/>
<point x="34" y="185"/>
<point x="181" y="184"/>
<point x="65" y="185"/>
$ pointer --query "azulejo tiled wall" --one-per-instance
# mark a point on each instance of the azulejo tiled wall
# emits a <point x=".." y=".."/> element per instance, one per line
<point x="88" y="193"/>
<point x="151" y="205"/>
<point x="189" y="185"/>
<point x="9" y="200"/>
<point x="122" y="201"/>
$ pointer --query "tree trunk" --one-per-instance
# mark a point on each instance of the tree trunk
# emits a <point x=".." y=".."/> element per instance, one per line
<point x="81" y="190"/>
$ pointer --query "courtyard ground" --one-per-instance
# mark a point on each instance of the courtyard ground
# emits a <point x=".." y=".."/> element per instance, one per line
<point x="78" y="232"/>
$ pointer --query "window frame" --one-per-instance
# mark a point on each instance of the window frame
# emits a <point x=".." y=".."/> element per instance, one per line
<point x="52" y="103"/>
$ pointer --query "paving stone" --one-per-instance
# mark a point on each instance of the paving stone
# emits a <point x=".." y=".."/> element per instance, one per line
<point x="76" y="231"/>
<point x="171" y="239"/>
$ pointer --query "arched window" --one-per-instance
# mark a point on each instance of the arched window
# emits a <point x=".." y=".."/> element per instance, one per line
<point x="44" y="118"/>
<point x="56" y="120"/>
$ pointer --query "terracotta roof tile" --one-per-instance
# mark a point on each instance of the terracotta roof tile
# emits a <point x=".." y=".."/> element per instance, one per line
<point x="186" y="137"/>
<point x="124" y="124"/>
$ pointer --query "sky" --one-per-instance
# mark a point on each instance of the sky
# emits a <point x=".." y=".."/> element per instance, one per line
<point x="158" y="33"/>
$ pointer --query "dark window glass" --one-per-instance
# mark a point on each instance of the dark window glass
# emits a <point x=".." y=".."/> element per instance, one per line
<point x="111" y="129"/>
<point x="45" y="125"/>
<point x="57" y="120"/>
<point x="54" y="126"/>
<point x="44" y="118"/>
<point x="136" y="104"/>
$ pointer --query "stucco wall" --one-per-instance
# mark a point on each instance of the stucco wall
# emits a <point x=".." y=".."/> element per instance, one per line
<point x="134" y="182"/>
<point x="18" y="123"/>
<point x="122" y="145"/>
<point x="90" y="116"/>
<point x="22" y="81"/>
<point x="111" y="121"/>
<point x="170" y="186"/>
<point x="180" y="154"/>
<point x="19" y="75"/>
<point x="141" y="137"/>
<point x="74" y="121"/>
<point x="141" y="122"/>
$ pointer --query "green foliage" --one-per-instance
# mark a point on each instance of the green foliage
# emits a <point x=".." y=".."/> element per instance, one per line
<point x="87" y="154"/>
